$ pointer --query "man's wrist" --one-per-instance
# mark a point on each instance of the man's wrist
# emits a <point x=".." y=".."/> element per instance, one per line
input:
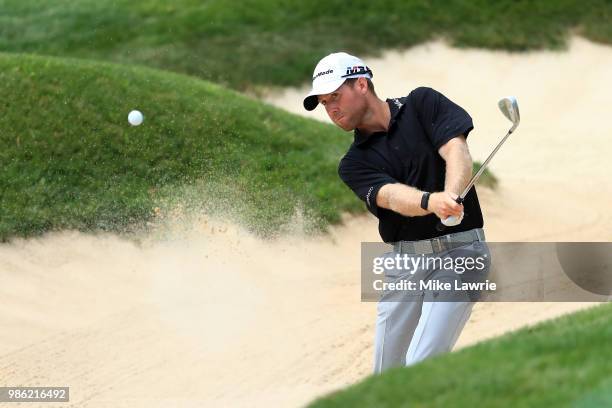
<point x="425" y="201"/>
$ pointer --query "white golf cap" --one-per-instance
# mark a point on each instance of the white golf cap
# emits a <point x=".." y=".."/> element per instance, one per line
<point x="331" y="72"/>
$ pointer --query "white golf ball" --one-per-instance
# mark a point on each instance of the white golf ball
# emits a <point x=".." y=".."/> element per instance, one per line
<point x="135" y="118"/>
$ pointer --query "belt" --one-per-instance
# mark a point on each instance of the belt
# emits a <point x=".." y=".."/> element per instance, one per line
<point x="439" y="244"/>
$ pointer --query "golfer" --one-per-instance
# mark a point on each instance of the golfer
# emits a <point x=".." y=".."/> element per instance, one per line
<point x="408" y="162"/>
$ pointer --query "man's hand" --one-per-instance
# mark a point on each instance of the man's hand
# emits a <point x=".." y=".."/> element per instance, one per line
<point x="443" y="204"/>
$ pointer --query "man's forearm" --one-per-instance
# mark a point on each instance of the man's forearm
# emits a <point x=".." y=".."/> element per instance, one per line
<point x="406" y="200"/>
<point x="402" y="199"/>
<point x="458" y="169"/>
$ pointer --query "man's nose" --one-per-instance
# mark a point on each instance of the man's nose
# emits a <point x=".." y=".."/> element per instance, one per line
<point x="332" y="110"/>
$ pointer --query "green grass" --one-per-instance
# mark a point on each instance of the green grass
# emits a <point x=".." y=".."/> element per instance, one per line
<point x="487" y="178"/>
<point x="277" y="42"/>
<point x="560" y="363"/>
<point x="70" y="159"/>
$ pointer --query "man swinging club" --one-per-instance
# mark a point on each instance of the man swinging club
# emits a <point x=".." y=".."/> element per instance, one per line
<point x="409" y="162"/>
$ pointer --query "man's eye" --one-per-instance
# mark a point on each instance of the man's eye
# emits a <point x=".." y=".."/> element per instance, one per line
<point x="323" y="103"/>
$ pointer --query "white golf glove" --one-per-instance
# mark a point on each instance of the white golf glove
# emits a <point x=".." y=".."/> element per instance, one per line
<point x="452" y="220"/>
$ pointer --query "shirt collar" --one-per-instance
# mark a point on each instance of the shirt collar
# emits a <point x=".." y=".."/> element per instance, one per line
<point x="395" y="106"/>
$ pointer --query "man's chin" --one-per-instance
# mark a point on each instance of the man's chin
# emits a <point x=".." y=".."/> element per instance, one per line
<point x="345" y="126"/>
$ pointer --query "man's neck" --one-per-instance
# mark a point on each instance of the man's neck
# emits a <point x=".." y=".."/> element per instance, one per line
<point x="377" y="117"/>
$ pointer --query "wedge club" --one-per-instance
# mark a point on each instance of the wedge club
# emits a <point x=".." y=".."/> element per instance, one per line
<point x="509" y="107"/>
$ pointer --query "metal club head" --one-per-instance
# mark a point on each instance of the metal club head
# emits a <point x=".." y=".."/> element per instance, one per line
<point x="509" y="107"/>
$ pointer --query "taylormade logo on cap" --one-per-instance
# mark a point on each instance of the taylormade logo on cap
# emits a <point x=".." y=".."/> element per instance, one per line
<point x="331" y="72"/>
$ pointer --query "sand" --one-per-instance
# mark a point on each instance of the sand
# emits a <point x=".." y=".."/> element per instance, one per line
<point x="215" y="317"/>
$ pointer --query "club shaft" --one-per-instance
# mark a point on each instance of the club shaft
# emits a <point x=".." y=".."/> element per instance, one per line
<point x="484" y="166"/>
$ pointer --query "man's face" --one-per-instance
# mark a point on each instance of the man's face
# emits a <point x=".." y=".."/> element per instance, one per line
<point x="346" y="105"/>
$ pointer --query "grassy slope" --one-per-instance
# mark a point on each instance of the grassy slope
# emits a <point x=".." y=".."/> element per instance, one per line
<point x="277" y="42"/>
<point x="560" y="363"/>
<point x="70" y="159"/>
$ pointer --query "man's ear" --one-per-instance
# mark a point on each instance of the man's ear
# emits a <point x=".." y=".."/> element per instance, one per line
<point x="363" y="85"/>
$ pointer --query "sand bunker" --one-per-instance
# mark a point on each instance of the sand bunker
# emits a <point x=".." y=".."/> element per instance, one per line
<point x="217" y="316"/>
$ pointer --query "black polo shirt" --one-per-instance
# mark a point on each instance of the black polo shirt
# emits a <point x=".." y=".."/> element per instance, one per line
<point x="420" y="124"/>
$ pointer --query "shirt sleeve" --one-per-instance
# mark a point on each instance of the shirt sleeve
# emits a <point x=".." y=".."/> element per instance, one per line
<point x="441" y="118"/>
<point x="364" y="179"/>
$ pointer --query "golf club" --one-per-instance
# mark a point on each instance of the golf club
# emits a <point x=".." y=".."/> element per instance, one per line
<point x="509" y="107"/>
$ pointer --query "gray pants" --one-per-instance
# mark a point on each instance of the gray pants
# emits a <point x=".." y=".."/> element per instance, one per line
<point x="411" y="327"/>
